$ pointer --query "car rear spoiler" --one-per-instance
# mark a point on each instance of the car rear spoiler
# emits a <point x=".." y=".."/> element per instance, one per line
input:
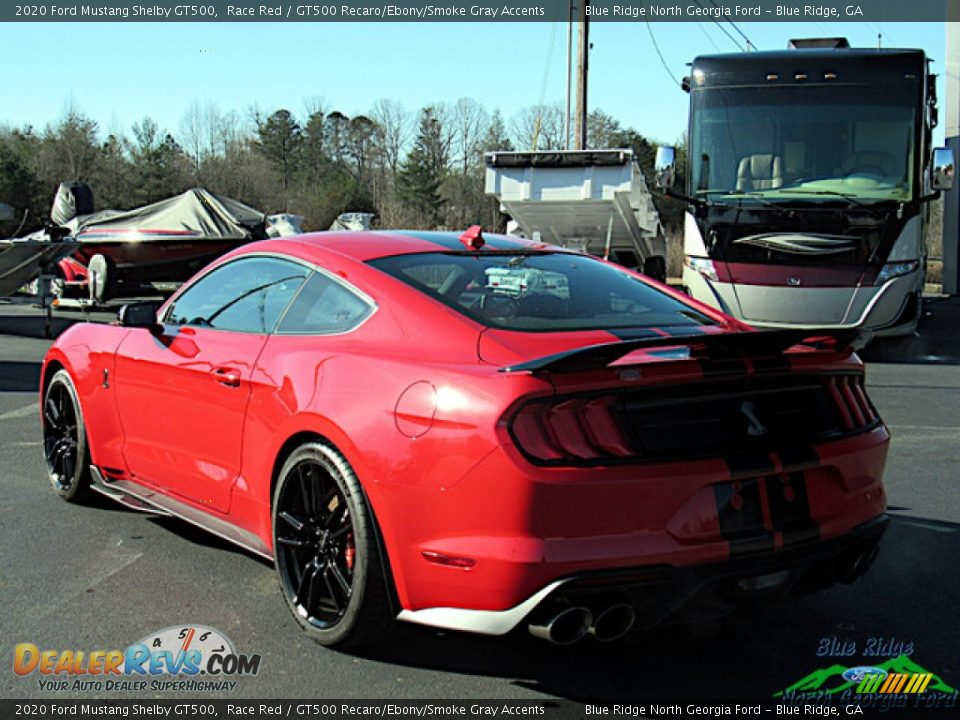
<point x="719" y="346"/>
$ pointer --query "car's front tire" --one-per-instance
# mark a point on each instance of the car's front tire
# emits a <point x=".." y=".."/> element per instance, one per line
<point x="327" y="556"/>
<point x="65" y="447"/>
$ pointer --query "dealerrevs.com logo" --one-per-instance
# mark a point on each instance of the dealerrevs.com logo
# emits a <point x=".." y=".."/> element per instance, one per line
<point x="187" y="658"/>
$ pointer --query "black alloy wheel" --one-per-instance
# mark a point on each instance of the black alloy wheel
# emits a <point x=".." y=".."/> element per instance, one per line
<point x="65" y="439"/>
<point x="326" y="550"/>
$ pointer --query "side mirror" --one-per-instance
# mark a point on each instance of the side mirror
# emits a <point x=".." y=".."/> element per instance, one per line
<point x="664" y="167"/>
<point x="6" y="212"/>
<point x="941" y="169"/>
<point x="139" y="315"/>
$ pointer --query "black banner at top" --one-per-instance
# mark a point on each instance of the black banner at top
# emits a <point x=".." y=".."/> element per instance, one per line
<point x="479" y="10"/>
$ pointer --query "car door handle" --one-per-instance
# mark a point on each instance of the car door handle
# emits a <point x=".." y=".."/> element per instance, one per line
<point x="226" y="376"/>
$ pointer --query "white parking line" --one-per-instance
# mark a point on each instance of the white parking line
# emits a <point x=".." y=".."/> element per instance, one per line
<point x="25" y="411"/>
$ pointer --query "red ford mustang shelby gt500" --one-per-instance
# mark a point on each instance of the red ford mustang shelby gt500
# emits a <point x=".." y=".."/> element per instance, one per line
<point x="474" y="433"/>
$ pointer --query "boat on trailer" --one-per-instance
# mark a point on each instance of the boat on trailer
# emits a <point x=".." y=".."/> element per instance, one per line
<point x="152" y="248"/>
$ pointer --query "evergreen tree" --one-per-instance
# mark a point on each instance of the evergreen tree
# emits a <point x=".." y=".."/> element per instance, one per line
<point x="421" y="174"/>
<point x="314" y="154"/>
<point x="112" y="183"/>
<point x="280" y="139"/>
<point x="18" y="188"/>
<point x="336" y="133"/>
<point x="496" y="135"/>
<point x="161" y="168"/>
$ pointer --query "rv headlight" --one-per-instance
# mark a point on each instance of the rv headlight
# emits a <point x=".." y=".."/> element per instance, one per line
<point x="892" y="270"/>
<point x="704" y="266"/>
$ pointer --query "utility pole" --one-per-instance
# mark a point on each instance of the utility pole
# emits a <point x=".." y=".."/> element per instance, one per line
<point x="951" y="199"/>
<point x="583" y="52"/>
<point x="566" y="114"/>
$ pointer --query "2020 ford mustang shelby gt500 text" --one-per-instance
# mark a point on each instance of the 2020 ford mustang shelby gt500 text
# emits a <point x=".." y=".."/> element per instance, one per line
<point x="474" y="433"/>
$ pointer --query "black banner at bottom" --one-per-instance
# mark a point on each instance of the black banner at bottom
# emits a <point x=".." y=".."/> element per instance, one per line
<point x="893" y="707"/>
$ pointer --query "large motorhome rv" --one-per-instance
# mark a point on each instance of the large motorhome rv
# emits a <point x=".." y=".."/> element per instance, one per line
<point x="808" y="180"/>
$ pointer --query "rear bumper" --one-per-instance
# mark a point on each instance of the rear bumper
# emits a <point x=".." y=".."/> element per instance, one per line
<point x="529" y="528"/>
<point x="663" y="593"/>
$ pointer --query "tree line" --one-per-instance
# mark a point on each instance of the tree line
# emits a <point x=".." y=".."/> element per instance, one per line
<point x="420" y="169"/>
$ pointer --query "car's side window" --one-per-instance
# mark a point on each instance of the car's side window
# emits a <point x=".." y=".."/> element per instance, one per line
<point x="246" y="295"/>
<point x="323" y="307"/>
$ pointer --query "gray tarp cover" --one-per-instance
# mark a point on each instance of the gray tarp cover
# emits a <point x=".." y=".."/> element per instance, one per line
<point x="198" y="211"/>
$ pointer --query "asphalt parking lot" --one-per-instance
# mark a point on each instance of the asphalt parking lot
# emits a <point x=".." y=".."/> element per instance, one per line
<point x="102" y="577"/>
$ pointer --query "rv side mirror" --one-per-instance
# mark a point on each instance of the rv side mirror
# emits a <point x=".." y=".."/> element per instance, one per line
<point x="139" y="315"/>
<point x="941" y="169"/>
<point x="664" y="167"/>
<point x="6" y="212"/>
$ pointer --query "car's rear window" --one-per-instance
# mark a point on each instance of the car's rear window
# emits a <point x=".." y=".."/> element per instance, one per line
<point x="539" y="292"/>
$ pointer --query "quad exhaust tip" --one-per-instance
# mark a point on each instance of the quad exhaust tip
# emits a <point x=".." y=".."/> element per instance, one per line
<point x="613" y="623"/>
<point x="572" y="624"/>
<point x="565" y="628"/>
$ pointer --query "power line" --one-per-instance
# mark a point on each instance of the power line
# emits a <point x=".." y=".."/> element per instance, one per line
<point x="660" y="55"/>
<point x="708" y="36"/>
<point x="722" y="28"/>
<point x="543" y="86"/>
<point x="750" y="45"/>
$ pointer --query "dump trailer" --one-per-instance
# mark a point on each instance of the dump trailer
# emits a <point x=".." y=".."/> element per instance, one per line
<point x="595" y="201"/>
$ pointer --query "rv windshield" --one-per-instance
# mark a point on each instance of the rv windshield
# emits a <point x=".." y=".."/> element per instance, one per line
<point x="807" y="142"/>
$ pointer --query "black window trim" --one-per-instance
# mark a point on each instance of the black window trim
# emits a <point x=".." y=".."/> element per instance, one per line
<point x="310" y="268"/>
<point x="352" y="289"/>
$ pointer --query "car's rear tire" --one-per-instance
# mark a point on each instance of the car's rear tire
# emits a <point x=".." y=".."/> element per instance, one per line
<point x="65" y="447"/>
<point x="326" y="552"/>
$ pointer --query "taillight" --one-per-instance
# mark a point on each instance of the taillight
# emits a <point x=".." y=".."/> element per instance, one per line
<point x="851" y="401"/>
<point x="570" y="430"/>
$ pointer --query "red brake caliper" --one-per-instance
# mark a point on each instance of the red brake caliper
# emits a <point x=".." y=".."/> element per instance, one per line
<point x="349" y="552"/>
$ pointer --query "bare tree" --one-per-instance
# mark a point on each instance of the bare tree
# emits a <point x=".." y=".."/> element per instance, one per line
<point x="539" y="127"/>
<point x="443" y="117"/>
<point x="470" y="120"/>
<point x="394" y="128"/>
<point x="227" y="131"/>
<point x="193" y="134"/>
<point x="71" y="147"/>
<point x="360" y="134"/>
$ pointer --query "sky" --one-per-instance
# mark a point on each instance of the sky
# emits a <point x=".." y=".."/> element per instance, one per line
<point x="116" y="73"/>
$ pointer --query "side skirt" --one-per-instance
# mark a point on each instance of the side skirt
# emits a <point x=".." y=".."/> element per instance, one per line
<point x="137" y="497"/>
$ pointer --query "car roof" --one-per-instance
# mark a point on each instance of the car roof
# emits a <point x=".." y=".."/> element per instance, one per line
<point x="369" y="245"/>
